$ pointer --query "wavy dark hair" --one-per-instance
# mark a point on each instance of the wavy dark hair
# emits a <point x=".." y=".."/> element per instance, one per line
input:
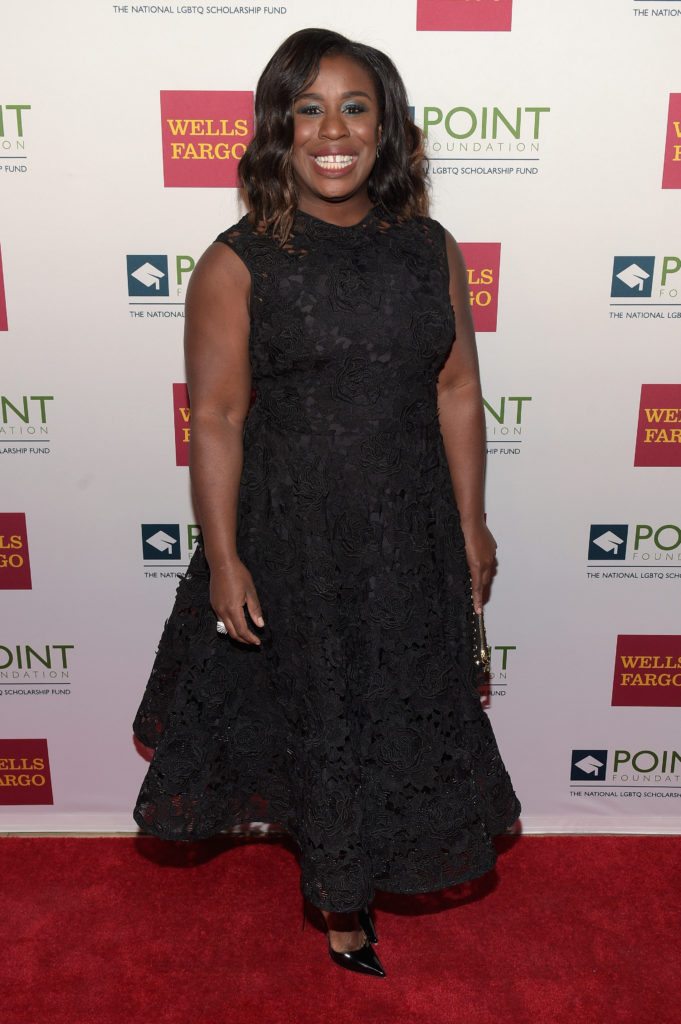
<point x="398" y="178"/>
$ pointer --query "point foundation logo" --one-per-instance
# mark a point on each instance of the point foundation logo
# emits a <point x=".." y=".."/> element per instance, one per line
<point x="503" y="656"/>
<point x="25" y="772"/>
<point x="164" y="543"/>
<point x="181" y="418"/>
<point x="15" y="566"/>
<point x="3" y="300"/>
<point x="157" y="284"/>
<point x="671" y="175"/>
<point x="492" y="140"/>
<point x="161" y="542"/>
<point x="204" y="135"/>
<point x="588" y="764"/>
<point x="506" y="419"/>
<point x="463" y="16"/>
<point x="632" y="277"/>
<point x="46" y="666"/>
<point x="608" y="542"/>
<point x="13" y="120"/>
<point x="647" y="672"/>
<point x="24" y="426"/>
<point x="638" y="774"/>
<point x="483" y="261"/>
<point x="643" y="285"/>
<point x="642" y="543"/>
<point x="658" y="438"/>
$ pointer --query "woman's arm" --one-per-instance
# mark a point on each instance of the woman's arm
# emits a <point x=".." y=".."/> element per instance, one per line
<point x="217" y="327"/>
<point x="462" y="424"/>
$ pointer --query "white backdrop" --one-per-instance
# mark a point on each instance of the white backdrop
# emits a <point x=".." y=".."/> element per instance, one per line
<point x="569" y="187"/>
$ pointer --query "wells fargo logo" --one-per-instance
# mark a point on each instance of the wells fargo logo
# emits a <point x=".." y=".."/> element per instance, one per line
<point x="463" y="15"/>
<point x="482" y="260"/>
<point x="204" y="136"/>
<point x="25" y="772"/>
<point x="3" y="301"/>
<point x="647" y="672"/>
<point x="658" y="438"/>
<point x="15" y="567"/>
<point x="181" y="415"/>
<point x="671" y="175"/>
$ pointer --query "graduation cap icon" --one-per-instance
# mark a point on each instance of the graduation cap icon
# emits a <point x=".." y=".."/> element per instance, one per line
<point x="589" y="765"/>
<point x="633" y="276"/>
<point x="150" y="276"/>
<point x="162" y="541"/>
<point x="608" y="542"/>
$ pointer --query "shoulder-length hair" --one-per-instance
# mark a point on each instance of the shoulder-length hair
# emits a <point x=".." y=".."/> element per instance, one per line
<point x="398" y="178"/>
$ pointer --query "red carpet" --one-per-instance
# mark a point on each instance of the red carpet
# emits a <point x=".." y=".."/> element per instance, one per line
<point x="566" y="930"/>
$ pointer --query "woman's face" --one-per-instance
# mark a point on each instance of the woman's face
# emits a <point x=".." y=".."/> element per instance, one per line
<point x="335" y="133"/>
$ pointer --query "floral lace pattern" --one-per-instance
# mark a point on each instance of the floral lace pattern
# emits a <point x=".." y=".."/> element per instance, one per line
<point x="356" y="724"/>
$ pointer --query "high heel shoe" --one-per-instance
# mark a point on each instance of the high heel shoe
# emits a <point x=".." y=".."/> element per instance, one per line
<point x="362" y="960"/>
<point x="366" y="922"/>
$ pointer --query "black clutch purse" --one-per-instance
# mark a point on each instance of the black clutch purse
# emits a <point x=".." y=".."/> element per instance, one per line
<point x="482" y="652"/>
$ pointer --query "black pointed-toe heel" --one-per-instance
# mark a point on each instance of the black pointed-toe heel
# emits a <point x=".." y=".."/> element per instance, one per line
<point x="362" y="960"/>
<point x="366" y="922"/>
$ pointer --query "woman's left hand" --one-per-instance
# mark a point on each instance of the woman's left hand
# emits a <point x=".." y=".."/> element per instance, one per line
<point x="481" y="555"/>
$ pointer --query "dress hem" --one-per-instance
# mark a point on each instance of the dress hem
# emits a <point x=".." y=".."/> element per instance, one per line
<point x="282" y="831"/>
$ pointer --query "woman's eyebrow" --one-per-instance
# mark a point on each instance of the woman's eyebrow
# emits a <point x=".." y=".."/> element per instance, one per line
<point x="344" y="96"/>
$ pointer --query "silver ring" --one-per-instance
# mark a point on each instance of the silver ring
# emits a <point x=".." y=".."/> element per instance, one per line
<point x="221" y="628"/>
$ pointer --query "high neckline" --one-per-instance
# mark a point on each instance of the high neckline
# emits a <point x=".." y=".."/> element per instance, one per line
<point x="339" y="227"/>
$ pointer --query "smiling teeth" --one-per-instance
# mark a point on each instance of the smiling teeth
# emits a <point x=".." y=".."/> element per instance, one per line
<point x="334" y="161"/>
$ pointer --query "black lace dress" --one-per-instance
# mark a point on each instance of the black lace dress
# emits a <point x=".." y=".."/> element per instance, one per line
<point x="356" y="726"/>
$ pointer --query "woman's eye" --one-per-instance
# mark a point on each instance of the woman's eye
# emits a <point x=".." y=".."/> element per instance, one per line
<point x="310" y="109"/>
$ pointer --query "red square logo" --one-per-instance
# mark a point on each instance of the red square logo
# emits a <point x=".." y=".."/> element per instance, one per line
<point x="15" y="565"/>
<point x="647" y="672"/>
<point x="483" y="260"/>
<point x="658" y="438"/>
<point x="463" y="15"/>
<point x="25" y="772"/>
<point x="671" y="175"/>
<point x="204" y="135"/>
<point x="181" y="416"/>
<point x="3" y="302"/>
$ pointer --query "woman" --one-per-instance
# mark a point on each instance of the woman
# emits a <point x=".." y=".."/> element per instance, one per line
<point x="341" y="513"/>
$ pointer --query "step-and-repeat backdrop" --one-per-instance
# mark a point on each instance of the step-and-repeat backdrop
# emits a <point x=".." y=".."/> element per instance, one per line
<point x="554" y="132"/>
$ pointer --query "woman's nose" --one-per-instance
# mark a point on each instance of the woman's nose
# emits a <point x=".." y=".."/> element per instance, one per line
<point x="332" y="126"/>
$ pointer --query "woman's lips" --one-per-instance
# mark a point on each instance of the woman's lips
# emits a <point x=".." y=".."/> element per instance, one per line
<point x="334" y="165"/>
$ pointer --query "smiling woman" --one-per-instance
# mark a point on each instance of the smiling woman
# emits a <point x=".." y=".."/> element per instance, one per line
<point x="332" y="126"/>
<point x="336" y="135"/>
<point x="348" y="496"/>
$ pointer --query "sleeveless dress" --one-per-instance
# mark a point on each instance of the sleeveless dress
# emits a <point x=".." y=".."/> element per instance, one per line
<point x="356" y="726"/>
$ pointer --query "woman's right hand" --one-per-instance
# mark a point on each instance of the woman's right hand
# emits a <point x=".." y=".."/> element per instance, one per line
<point x="232" y="587"/>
